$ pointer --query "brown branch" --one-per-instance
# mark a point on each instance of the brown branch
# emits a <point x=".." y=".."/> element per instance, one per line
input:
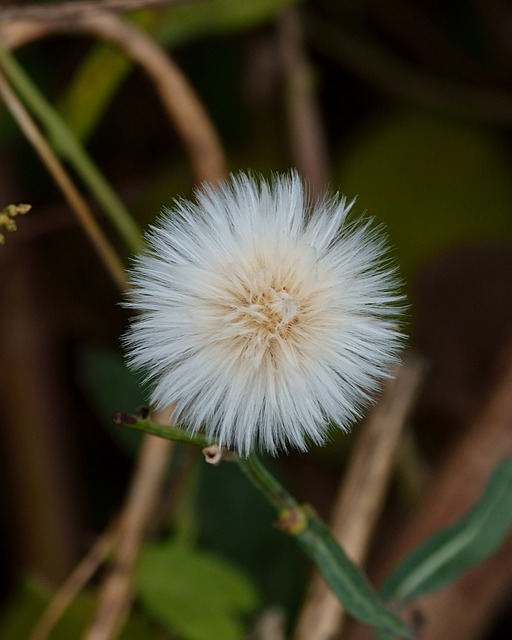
<point x="72" y="10"/>
<point x="74" y="584"/>
<point x="77" y="203"/>
<point x="361" y="495"/>
<point x="44" y="512"/>
<point x="309" y="148"/>
<point x="116" y="592"/>
<point x="178" y="98"/>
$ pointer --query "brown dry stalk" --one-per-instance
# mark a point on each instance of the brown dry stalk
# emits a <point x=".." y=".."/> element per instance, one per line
<point x="116" y="592"/>
<point x="77" y="203"/>
<point x="361" y="495"/>
<point x="207" y="158"/>
<point x="178" y="98"/>
<point x="74" y="584"/>
<point x="309" y="148"/>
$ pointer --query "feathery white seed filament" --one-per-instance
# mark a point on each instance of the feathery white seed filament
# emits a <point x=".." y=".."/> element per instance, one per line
<point x="263" y="316"/>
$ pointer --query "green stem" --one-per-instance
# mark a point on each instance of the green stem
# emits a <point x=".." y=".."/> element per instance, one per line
<point x="345" y="579"/>
<point x="162" y="430"/>
<point x="70" y="148"/>
<point x="275" y="493"/>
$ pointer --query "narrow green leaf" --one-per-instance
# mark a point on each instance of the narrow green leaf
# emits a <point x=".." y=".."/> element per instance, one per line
<point x="69" y="147"/>
<point x="450" y="552"/>
<point x="97" y="80"/>
<point x="347" y="581"/>
<point x="194" y="593"/>
<point x="417" y="171"/>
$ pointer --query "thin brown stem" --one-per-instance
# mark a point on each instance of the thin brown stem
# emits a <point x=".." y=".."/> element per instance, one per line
<point x="307" y="138"/>
<point x="178" y="98"/>
<point x="116" y="592"/>
<point x="361" y="495"/>
<point x="74" y="584"/>
<point x="77" y="203"/>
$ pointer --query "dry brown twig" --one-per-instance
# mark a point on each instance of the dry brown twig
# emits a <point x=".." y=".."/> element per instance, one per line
<point x="361" y="495"/>
<point x="74" y="584"/>
<point x="76" y="202"/>
<point x="116" y="592"/>
<point x="309" y="148"/>
<point x="179" y="100"/>
<point x="207" y="157"/>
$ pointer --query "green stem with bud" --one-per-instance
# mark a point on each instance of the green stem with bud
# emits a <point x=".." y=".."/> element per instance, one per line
<point x="345" y="578"/>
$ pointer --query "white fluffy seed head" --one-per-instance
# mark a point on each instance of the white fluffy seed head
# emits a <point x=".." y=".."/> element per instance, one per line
<point x="263" y="316"/>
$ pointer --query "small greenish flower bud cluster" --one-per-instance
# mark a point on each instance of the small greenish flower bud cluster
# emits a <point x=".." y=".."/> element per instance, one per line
<point x="7" y="216"/>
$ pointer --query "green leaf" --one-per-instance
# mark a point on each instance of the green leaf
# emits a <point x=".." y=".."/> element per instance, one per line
<point x="111" y="387"/>
<point x="97" y="80"/>
<point x="450" y="552"/>
<point x="30" y="600"/>
<point x="347" y="581"/>
<point x="434" y="182"/>
<point x="93" y="88"/>
<point x="194" y="592"/>
<point x="278" y="566"/>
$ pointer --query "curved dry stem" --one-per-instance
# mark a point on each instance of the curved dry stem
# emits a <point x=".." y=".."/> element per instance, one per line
<point x="307" y="137"/>
<point x="77" y="203"/>
<point x="178" y="98"/>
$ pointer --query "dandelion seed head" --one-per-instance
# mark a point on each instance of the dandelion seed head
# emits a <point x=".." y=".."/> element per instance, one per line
<point x="264" y="316"/>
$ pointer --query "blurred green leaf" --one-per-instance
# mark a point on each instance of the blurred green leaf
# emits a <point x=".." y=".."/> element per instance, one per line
<point x="279" y="568"/>
<point x="101" y="73"/>
<point x="111" y="387"/>
<point x="188" y="21"/>
<point x="96" y="81"/>
<point x="346" y="580"/>
<point x="30" y="600"/>
<point x="92" y="89"/>
<point x="194" y="592"/>
<point x="22" y="611"/>
<point x="450" y="552"/>
<point x="435" y="183"/>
